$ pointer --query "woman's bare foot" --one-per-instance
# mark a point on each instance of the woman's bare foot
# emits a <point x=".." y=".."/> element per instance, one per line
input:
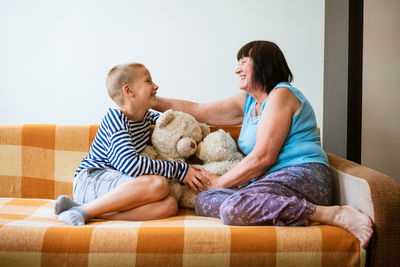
<point x="355" y="222"/>
<point x="348" y="218"/>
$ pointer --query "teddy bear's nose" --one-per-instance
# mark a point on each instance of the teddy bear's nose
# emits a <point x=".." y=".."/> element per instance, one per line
<point x="192" y="145"/>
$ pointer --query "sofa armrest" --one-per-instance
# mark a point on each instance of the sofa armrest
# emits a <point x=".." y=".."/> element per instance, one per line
<point x="378" y="196"/>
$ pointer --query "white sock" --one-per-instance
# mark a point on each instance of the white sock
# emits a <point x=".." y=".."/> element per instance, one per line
<point x="63" y="203"/>
<point x="74" y="216"/>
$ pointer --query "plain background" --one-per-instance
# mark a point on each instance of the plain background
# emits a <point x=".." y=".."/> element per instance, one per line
<point x="380" y="148"/>
<point x="54" y="55"/>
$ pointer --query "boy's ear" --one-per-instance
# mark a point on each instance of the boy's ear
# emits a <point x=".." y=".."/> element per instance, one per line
<point x="128" y="91"/>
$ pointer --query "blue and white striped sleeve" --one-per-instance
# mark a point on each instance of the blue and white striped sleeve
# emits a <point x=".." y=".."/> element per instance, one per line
<point x="123" y="156"/>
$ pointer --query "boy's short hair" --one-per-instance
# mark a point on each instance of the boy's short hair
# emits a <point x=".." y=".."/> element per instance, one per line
<point x="117" y="77"/>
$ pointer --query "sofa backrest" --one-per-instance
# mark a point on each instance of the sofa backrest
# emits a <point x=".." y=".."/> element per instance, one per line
<point x="39" y="160"/>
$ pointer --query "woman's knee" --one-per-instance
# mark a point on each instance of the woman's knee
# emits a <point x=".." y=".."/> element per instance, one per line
<point x="200" y="201"/>
<point x="218" y="195"/>
<point x="208" y="202"/>
<point x="231" y="212"/>
<point x="202" y="197"/>
<point x="227" y="213"/>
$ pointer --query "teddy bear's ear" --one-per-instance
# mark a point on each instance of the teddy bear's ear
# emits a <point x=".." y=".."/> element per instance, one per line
<point x="165" y="118"/>
<point x="205" y="129"/>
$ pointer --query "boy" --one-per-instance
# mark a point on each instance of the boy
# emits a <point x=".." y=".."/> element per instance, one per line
<point x="114" y="181"/>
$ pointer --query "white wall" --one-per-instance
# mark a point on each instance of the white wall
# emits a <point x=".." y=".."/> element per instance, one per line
<point x="380" y="147"/>
<point x="336" y="75"/>
<point x="54" y="55"/>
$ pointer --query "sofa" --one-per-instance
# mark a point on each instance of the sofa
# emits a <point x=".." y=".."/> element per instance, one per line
<point x="37" y="164"/>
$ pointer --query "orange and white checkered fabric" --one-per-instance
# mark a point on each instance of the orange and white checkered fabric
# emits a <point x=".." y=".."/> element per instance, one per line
<point x="37" y="163"/>
<point x="31" y="235"/>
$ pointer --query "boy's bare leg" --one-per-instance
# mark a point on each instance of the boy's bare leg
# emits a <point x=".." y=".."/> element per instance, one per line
<point x="164" y="208"/>
<point x="347" y="217"/>
<point x="130" y="194"/>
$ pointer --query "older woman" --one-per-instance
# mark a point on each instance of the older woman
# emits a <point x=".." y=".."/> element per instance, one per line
<point x="290" y="183"/>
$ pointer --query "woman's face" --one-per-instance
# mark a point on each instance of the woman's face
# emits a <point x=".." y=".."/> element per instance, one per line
<point x="245" y="72"/>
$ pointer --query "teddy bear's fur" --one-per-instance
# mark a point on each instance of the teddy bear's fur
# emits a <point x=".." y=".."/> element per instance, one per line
<point x="177" y="136"/>
<point x="218" y="152"/>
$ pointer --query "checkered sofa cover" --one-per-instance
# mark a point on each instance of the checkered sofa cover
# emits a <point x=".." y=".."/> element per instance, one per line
<point x="37" y="163"/>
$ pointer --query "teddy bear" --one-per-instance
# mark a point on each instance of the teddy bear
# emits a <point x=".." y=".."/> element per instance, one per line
<point x="175" y="138"/>
<point x="219" y="154"/>
<point x="177" y="134"/>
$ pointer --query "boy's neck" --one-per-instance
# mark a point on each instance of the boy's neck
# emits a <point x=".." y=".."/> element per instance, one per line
<point x="133" y="114"/>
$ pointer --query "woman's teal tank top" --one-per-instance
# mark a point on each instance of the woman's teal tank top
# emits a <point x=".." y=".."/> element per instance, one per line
<point x="302" y="144"/>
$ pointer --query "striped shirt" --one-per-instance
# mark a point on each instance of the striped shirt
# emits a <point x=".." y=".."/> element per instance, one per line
<point x="118" y="143"/>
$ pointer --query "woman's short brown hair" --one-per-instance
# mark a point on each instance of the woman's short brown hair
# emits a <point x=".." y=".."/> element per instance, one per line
<point x="269" y="64"/>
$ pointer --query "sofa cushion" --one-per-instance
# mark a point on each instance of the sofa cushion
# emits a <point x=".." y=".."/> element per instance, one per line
<point x="31" y="235"/>
<point x="354" y="191"/>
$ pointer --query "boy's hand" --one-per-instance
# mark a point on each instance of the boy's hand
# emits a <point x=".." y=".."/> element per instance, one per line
<point x="195" y="180"/>
<point x="213" y="181"/>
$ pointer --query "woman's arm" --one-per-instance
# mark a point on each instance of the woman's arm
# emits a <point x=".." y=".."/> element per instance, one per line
<point x="228" y="111"/>
<point x="273" y="127"/>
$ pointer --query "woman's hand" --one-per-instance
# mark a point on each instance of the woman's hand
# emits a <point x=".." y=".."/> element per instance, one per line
<point x="196" y="180"/>
<point x="212" y="178"/>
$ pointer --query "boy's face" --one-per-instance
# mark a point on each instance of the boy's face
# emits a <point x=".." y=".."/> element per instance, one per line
<point x="144" y="89"/>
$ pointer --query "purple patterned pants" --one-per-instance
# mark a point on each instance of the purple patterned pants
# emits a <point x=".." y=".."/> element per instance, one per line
<point x="287" y="196"/>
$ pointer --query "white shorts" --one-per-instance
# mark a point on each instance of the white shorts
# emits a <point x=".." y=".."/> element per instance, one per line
<point x="92" y="183"/>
